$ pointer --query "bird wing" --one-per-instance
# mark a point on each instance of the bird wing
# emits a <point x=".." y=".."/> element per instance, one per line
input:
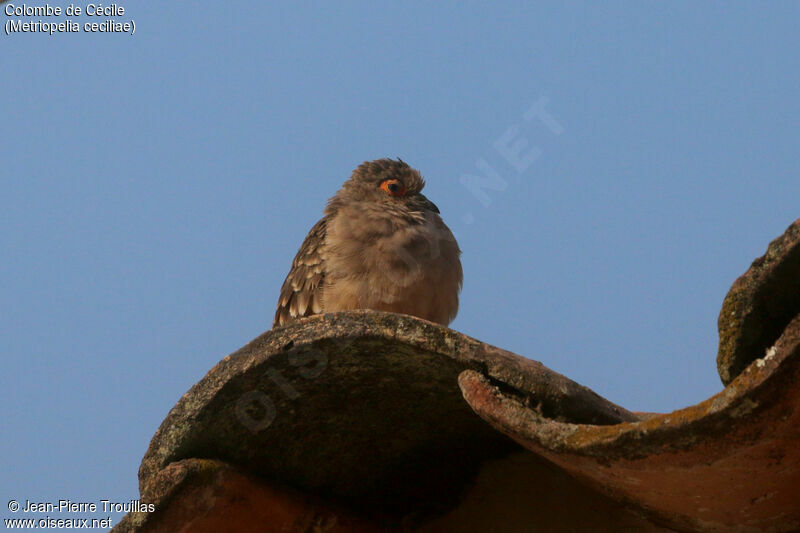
<point x="302" y="289"/>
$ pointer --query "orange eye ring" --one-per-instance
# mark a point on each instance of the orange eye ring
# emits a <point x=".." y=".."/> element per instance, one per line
<point x="394" y="188"/>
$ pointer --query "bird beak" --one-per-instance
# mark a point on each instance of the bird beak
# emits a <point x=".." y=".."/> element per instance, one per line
<point x="427" y="204"/>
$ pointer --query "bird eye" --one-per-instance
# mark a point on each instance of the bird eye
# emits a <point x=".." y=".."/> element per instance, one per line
<point x="394" y="187"/>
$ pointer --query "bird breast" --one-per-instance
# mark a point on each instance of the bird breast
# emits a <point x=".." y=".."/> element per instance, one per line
<point x="392" y="264"/>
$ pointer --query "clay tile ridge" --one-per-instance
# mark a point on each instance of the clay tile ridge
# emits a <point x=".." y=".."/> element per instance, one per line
<point x="369" y="421"/>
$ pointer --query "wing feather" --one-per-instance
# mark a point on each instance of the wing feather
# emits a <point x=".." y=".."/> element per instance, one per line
<point x="302" y="290"/>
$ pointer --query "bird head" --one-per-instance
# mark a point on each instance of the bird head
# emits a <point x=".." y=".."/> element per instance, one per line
<point x="391" y="184"/>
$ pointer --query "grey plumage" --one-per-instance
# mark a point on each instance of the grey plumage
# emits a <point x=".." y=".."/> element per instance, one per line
<point x="381" y="245"/>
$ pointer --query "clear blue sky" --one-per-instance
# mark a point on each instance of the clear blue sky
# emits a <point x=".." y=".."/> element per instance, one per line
<point x="155" y="187"/>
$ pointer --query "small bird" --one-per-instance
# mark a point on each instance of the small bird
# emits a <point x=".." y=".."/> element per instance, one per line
<point x="381" y="245"/>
